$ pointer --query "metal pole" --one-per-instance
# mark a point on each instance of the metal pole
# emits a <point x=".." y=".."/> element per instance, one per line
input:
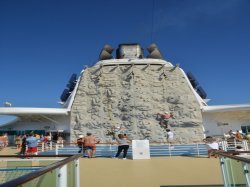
<point x="246" y="173"/>
<point x="56" y="149"/>
<point x="245" y="145"/>
<point x="223" y="170"/>
<point x="231" y="172"/>
<point x="42" y="146"/>
<point x="197" y="147"/>
<point x="61" y="176"/>
<point x="77" y="173"/>
<point x="224" y="146"/>
<point x="169" y="149"/>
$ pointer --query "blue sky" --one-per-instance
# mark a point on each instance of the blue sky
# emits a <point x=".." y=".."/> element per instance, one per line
<point x="43" y="42"/>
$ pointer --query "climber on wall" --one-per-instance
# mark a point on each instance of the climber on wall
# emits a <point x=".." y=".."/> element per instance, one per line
<point x="164" y="118"/>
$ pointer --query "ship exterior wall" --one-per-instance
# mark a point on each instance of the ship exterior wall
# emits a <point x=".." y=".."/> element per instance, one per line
<point x="130" y="96"/>
<point x="35" y="123"/>
<point x="219" y="123"/>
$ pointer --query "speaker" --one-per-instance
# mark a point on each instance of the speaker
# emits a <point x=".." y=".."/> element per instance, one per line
<point x="151" y="47"/>
<point x="106" y="53"/>
<point x="154" y="52"/>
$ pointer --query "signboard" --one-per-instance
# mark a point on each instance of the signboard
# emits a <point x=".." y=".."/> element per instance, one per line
<point x="140" y="149"/>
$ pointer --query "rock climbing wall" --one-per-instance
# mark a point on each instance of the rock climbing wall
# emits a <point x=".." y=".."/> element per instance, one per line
<point x="130" y="96"/>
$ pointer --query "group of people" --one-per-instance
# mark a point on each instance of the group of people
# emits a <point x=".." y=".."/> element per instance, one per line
<point x="238" y="136"/>
<point x="88" y="143"/>
<point x="28" y="144"/>
<point x="3" y="141"/>
<point x="213" y="145"/>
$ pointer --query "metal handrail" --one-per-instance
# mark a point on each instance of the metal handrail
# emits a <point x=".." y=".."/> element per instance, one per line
<point x="228" y="155"/>
<point x="26" y="178"/>
<point x="24" y="156"/>
<point x="115" y="142"/>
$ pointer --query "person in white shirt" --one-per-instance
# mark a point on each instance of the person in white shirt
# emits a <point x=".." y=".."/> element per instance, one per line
<point x="170" y="136"/>
<point x="212" y="145"/>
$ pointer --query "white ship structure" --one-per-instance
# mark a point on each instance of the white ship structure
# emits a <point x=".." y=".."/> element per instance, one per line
<point x="127" y="90"/>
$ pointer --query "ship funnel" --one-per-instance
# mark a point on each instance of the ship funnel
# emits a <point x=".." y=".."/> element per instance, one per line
<point x="154" y="52"/>
<point x="129" y="51"/>
<point x="106" y="52"/>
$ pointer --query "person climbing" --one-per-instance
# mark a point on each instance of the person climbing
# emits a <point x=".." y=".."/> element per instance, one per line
<point x="164" y="118"/>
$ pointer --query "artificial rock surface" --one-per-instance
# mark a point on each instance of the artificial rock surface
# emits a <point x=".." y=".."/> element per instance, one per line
<point x="130" y="96"/>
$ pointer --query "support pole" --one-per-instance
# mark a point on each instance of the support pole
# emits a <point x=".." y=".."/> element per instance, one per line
<point x="77" y="173"/>
<point x="56" y="149"/>
<point x="42" y="146"/>
<point x="223" y="170"/>
<point x="62" y="177"/>
<point x="246" y="173"/>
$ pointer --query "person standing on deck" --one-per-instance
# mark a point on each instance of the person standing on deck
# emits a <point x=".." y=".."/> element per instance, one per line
<point x="212" y="145"/>
<point x="18" y="142"/>
<point x="32" y="145"/>
<point x="23" y="146"/>
<point x="238" y="136"/>
<point x="122" y="145"/>
<point x="79" y="142"/>
<point x="170" y="136"/>
<point x="89" y="143"/>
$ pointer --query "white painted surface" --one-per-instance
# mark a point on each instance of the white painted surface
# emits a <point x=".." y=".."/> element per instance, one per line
<point x="62" y="177"/>
<point x="28" y="111"/>
<point x="140" y="149"/>
<point x="213" y="121"/>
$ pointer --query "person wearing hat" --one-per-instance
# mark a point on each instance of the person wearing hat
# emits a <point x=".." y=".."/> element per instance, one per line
<point x="79" y="142"/>
<point x="164" y="118"/>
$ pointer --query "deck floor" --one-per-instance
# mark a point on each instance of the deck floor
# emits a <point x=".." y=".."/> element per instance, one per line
<point x="155" y="172"/>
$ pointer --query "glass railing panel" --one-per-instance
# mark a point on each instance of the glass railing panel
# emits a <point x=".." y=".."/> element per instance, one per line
<point x="8" y="174"/>
<point x="234" y="172"/>
<point x="42" y="172"/>
<point x="46" y="180"/>
<point x="12" y="169"/>
<point x="51" y="178"/>
<point x="71" y="174"/>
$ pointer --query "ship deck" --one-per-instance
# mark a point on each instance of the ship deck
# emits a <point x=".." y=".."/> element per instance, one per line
<point x="154" y="172"/>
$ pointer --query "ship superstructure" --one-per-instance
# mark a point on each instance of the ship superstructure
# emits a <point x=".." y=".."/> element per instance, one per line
<point x="127" y="89"/>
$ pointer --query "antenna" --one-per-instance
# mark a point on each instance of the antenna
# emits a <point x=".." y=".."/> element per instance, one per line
<point x="152" y="21"/>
